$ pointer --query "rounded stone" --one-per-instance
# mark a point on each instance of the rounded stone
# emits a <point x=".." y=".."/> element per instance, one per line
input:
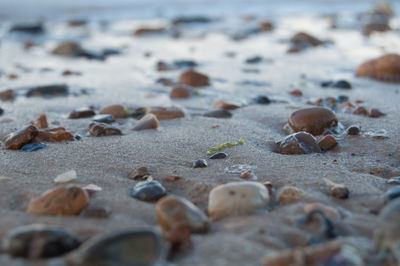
<point x="313" y="120"/>
<point x="174" y="213"/>
<point x="290" y="194"/>
<point x="148" y="191"/>
<point x="237" y="198"/>
<point x="261" y="99"/>
<point x="81" y="113"/>
<point x="148" y="121"/>
<point x="194" y="79"/>
<point x="166" y="113"/>
<point x="116" y="110"/>
<point x="353" y="130"/>
<point x="299" y="143"/>
<point x="385" y="68"/>
<point x="218" y="155"/>
<point x="68" y="200"/>
<point x="225" y="105"/>
<point x="104" y="118"/>
<point x="180" y="92"/>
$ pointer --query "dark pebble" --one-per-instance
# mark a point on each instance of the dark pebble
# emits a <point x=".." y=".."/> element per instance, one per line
<point x="190" y="20"/>
<point x="392" y="194"/>
<point x="353" y="130"/>
<point x="148" y="191"/>
<point x="254" y="60"/>
<point x="122" y="248"/>
<point x="1" y="111"/>
<point x="221" y="113"/>
<point x="110" y="51"/>
<point x="81" y="113"/>
<point x="48" y="91"/>
<point x="104" y="119"/>
<point x="299" y="143"/>
<point x="218" y="155"/>
<point x="262" y="100"/>
<point x="33" y="147"/>
<point x="342" y="99"/>
<point x="340" y="84"/>
<point x="185" y="64"/>
<point x="200" y="163"/>
<point x="39" y="241"/>
<point x="91" y="55"/>
<point x="31" y="28"/>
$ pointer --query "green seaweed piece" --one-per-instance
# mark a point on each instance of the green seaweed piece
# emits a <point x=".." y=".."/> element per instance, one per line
<point x="222" y="146"/>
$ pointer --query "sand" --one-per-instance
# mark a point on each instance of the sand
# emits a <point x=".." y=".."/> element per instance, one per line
<point x="129" y="79"/>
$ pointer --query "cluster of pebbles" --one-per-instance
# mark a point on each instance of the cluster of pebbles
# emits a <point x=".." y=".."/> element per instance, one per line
<point x="311" y="129"/>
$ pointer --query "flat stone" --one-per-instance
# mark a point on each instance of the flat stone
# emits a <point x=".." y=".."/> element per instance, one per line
<point x="14" y="141"/>
<point x="48" y="91"/>
<point x="68" y="200"/>
<point x="225" y="105"/>
<point x="218" y="155"/>
<point x="53" y="135"/>
<point x="194" y="79"/>
<point x="221" y="113"/>
<point x="29" y="28"/>
<point x="298" y="143"/>
<point x="33" y="147"/>
<point x="290" y="194"/>
<point x="102" y="130"/>
<point x="167" y="113"/>
<point x="237" y="198"/>
<point x="148" y="121"/>
<point x="313" y="120"/>
<point x="66" y="177"/>
<point x="104" y="119"/>
<point x="148" y="191"/>
<point x="148" y="31"/>
<point x="67" y="49"/>
<point x="81" y="113"/>
<point x="39" y="241"/>
<point x="116" y="110"/>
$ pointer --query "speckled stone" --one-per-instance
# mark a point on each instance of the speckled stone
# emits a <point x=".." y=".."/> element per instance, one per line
<point x="148" y="191"/>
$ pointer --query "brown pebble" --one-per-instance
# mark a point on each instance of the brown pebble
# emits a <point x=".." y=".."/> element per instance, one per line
<point x="68" y="200"/>
<point x="116" y="110"/>
<point x="166" y="113"/>
<point x="172" y="178"/>
<point x="139" y="174"/>
<point x="148" y="121"/>
<point x="41" y="122"/>
<point x="194" y="79"/>
<point x="225" y="105"/>
<point x="53" y="135"/>
<point x="12" y="76"/>
<point x="328" y="142"/>
<point x="374" y="112"/>
<point x="385" y="68"/>
<point x="296" y="92"/>
<point x="67" y="49"/>
<point x="7" y="95"/>
<point x="265" y="26"/>
<point x="147" y="30"/>
<point x="180" y="92"/>
<point x="14" y="141"/>
<point x="81" y="113"/>
<point x="101" y="130"/>
<point x="303" y="38"/>
<point x="245" y="175"/>
<point x="290" y="194"/>
<point x="360" y="111"/>
<point x="313" y="120"/>
<point x="346" y="105"/>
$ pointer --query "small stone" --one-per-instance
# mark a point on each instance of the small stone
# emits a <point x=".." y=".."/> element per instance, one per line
<point x="200" y="163"/>
<point x="33" y="147"/>
<point x="116" y="110"/>
<point x="327" y="142"/>
<point x="177" y="213"/>
<point x="246" y="174"/>
<point x="392" y="194"/>
<point x="69" y="200"/>
<point x="77" y="23"/>
<point x="48" y="91"/>
<point x="374" y="112"/>
<point x="221" y="113"/>
<point x="68" y="72"/>
<point x="384" y="68"/>
<point x="290" y="194"/>
<point x="313" y="120"/>
<point x="339" y="191"/>
<point x="81" y="113"/>
<point x="53" y="135"/>
<point x="353" y="130"/>
<point x="262" y="100"/>
<point x="41" y="122"/>
<point x="166" y="113"/>
<point x="148" y="31"/>
<point x="67" y="49"/>
<point x="218" y="155"/>
<point x="265" y="26"/>
<point x="121" y="248"/>
<point x="148" y="121"/>
<point x="139" y="174"/>
<point x="369" y="28"/>
<point x="194" y="79"/>
<point x="39" y="241"/>
<point x="7" y="95"/>
<point x="66" y="177"/>
<point x="360" y="111"/>
<point x="180" y="92"/>
<point x="225" y="105"/>
<point x="101" y="130"/>
<point x="14" y="141"/>
<point x="172" y="178"/>
<point x="148" y="191"/>
<point x="237" y="198"/>
<point x="30" y="28"/>
<point x="296" y="92"/>
<point x="104" y="119"/>
<point x="303" y="39"/>
<point x="254" y="60"/>
<point x="342" y="84"/>
<point x="299" y="143"/>
<point x="191" y="20"/>
<point x="330" y="212"/>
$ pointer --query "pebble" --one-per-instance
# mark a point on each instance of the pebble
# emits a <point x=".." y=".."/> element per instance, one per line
<point x="104" y="119"/>
<point x="237" y="198"/>
<point x="100" y="212"/>
<point x="177" y="213"/>
<point x="218" y="155"/>
<point x="81" y="113"/>
<point x="313" y="120"/>
<point x="384" y="68"/>
<point x="148" y="191"/>
<point x="30" y="28"/>
<point x="148" y="121"/>
<point x="15" y="141"/>
<point x="340" y="84"/>
<point x="191" y="20"/>
<point x="172" y="178"/>
<point x="39" y="241"/>
<point x="369" y="28"/>
<point x="1" y="111"/>
<point x="265" y="26"/>
<point x="327" y="142"/>
<point x="148" y="31"/>
<point x="48" y="91"/>
<point x="65" y="200"/>
<point x="339" y="191"/>
<point x="180" y="92"/>
<point x="116" y="110"/>
<point x="53" y="135"/>
<point x="41" y="122"/>
<point x="392" y="194"/>
<point x="290" y="194"/>
<point x="139" y="174"/>
<point x="298" y="143"/>
<point x="66" y="177"/>
<point x="166" y="113"/>
<point x="305" y="39"/>
<point x="330" y="212"/>
<point x="353" y="130"/>
<point x="360" y="110"/>
<point x="200" y="163"/>
<point x="120" y="248"/>
<point x="220" y="113"/>
<point x="101" y="130"/>
<point x="7" y="95"/>
<point x="254" y="60"/>
<point x="67" y="49"/>
<point x="262" y="100"/>
<point x="33" y="147"/>
<point x="296" y="92"/>
<point x="194" y="79"/>
<point x="225" y="105"/>
<point x="374" y="112"/>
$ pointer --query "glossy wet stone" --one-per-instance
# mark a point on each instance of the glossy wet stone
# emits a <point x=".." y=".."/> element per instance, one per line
<point x="353" y="130"/>
<point x="148" y="191"/>
<point x="33" y="147"/>
<point x="66" y="200"/>
<point x="237" y="198"/>
<point x="200" y="163"/>
<point x="14" y="141"/>
<point x="81" y="113"/>
<point x="225" y="105"/>
<point x="48" y="91"/>
<point x="298" y="143"/>
<point x="116" y="110"/>
<point x="218" y="155"/>
<point x="166" y="113"/>
<point x="194" y="79"/>
<point x="384" y="68"/>
<point x="53" y="135"/>
<point x="176" y="213"/>
<point x="313" y="120"/>
<point x="180" y="92"/>
<point x="327" y="142"/>
<point x="262" y="100"/>
<point x="148" y="121"/>
<point x="30" y="28"/>
<point x="104" y="119"/>
<point x="39" y="241"/>
<point x="221" y="113"/>
<point x="132" y="247"/>
<point x="41" y="122"/>
<point x="290" y="194"/>
<point x="102" y="130"/>
<point x="392" y="194"/>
